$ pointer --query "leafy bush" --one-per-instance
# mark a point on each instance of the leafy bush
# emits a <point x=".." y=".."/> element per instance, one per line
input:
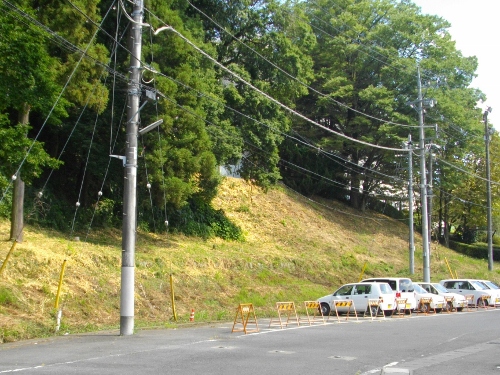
<point x="479" y="250"/>
<point x="200" y="219"/>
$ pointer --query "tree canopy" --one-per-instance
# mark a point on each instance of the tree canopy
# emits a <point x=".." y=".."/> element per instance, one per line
<point x="318" y="94"/>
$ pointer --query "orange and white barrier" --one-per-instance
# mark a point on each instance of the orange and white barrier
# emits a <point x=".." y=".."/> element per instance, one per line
<point x="313" y="308"/>
<point x="245" y="315"/>
<point x="349" y="304"/>
<point x="402" y="306"/>
<point x="425" y="306"/>
<point x="374" y="304"/>
<point x="288" y="310"/>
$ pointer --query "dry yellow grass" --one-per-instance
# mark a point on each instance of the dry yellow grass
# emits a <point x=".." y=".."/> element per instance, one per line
<point x="295" y="249"/>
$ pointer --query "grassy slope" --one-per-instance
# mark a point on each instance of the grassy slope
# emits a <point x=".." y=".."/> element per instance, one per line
<point x="295" y="250"/>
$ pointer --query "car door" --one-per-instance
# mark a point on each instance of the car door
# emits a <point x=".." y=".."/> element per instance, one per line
<point x="360" y="296"/>
<point x="342" y="294"/>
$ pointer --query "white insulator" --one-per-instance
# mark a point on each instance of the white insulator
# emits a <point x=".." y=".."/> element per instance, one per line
<point x="166" y="223"/>
<point x="148" y="185"/>
<point x="14" y="177"/>
<point x="99" y="193"/>
<point x="77" y="204"/>
<point x="40" y="194"/>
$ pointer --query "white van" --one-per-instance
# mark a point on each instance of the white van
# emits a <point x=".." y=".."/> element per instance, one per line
<point x="401" y="285"/>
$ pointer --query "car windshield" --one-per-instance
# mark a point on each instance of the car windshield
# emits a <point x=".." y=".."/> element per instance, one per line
<point x="491" y="285"/>
<point x="478" y="285"/>
<point x="419" y="289"/>
<point x="440" y="288"/>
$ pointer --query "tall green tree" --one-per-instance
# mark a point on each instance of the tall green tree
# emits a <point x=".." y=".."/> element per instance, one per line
<point x="365" y="69"/>
<point x="266" y="43"/>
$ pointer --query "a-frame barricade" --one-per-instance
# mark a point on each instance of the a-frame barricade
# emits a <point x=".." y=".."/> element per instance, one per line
<point x="288" y="310"/>
<point x="349" y="304"/>
<point x="425" y="306"/>
<point x="485" y="304"/>
<point x="245" y="315"/>
<point x="374" y="303"/>
<point x="449" y="301"/>
<point x="469" y="302"/>
<point x="401" y="307"/>
<point x="314" y="313"/>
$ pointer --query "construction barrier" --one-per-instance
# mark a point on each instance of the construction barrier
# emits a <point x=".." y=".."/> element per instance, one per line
<point x="449" y="304"/>
<point x="288" y="309"/>
<point x="313" y="308"/>
<point x="349" y="304"/>
<point x="245" y="315"/>
<point x="401" y="306"/>
<point x="425" y="305"/>
<point x="469" y="301"/>
<point x="374" y="304"/>
<point x="485" y="303"/>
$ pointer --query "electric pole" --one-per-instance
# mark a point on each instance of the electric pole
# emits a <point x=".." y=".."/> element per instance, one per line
<point x="130" y="175"/>
<point x="423" y="182"/>
<point x="489" y="231"/>
<point x="410" y="206"/>
<point x="430" y="195"/>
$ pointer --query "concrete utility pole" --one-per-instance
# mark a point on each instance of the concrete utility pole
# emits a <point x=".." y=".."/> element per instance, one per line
<point x="130" y="175"/>
<point x="410" y="206"/>
<point x="430" y="194"/>
<point x="489" y="232"/>
<point x="423" y="181"/>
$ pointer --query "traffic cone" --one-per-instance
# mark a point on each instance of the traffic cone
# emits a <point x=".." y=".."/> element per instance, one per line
<point x="191" y="317"/>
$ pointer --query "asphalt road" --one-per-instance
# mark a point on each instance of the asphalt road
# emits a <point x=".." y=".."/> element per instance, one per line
<point x="457" y="343"/>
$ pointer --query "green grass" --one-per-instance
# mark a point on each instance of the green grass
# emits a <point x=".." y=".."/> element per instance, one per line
<point x="293" y="251"/>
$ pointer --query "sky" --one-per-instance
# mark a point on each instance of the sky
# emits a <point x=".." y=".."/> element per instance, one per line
<point x="475" y="27"/>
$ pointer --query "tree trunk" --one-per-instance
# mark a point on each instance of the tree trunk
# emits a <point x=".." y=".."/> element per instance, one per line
<point x="446" y="222"/>
<point x="17" y="217"/>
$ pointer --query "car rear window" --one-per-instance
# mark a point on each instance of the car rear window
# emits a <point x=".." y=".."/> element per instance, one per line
<point x="385" y="289"/>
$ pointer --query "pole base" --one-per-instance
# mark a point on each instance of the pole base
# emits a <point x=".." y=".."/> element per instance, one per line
<point x="126" y="325"/>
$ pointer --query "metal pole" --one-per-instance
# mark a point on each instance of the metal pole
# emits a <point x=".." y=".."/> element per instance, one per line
<point x="130" y="176"/>
<point x="430" y="195"/>
<point x="488" y="190"/>
<point x="423" y="186"/>
<point x="410" y="206"/>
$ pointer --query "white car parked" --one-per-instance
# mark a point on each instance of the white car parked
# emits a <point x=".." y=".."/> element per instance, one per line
<point x="402" y="286"/>
<point x="437" y="302"/>
<point x="470" y="287"/>
<point x="459" y="302"/>
<point x="359" y="294"/>
<point x="494" y="288"/>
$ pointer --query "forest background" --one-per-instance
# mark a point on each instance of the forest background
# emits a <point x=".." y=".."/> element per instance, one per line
<point x="342" y="75"/>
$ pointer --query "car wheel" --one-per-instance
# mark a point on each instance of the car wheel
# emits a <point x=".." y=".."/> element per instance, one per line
<point x="424" y="308"/>
<point x="449" y="306"/>
<point x="374" y="310"/>
<point x="481" y="302"/>
<point x="459" y="309"/>
<point x="388" y="312"/>
<point x="325" y="309"/>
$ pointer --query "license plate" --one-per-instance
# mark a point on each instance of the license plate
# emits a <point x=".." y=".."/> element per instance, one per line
<point x="408" y="306"/>
<point x="389" y="306"/>
<point x="439" y="305"/>
<point x="497" y="300"/>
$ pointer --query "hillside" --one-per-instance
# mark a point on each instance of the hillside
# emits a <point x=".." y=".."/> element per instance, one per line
<point x="295" y="249"/>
